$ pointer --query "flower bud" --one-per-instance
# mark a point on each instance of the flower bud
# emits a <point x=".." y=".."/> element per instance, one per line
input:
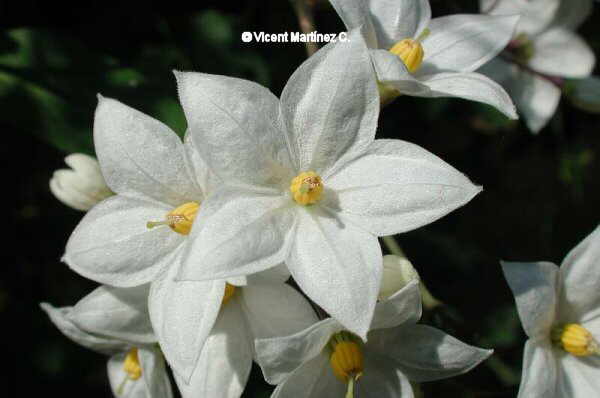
<point x="397" y="273"/>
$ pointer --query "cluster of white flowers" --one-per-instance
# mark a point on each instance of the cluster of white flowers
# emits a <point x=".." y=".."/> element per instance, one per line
<point x="195" y="242"/>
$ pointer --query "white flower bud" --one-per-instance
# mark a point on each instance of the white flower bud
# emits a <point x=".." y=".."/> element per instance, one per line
<point x="82" y="186"/>
<point x="397" y="273"/>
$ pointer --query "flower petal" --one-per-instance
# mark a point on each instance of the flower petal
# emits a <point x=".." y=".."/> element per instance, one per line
<point x="237" y="233"/>
<point x="338" y="267"/>
<point x="313" y="379"/>
<point x="559" y="52"/>
<point x="577" y="377"/>
<point x="398" y="20"/>
<point x="536" y="98"/>
<point x="140" y="156"/>
<point x="355" y="14"/>
<point x="395" y="187"/>
<point x="120" y="384"/>
<point x="392" y="71"/>
<point x="154" y="373"/>
<point x="382" y="378"/>
<point x="535" y="16"/>
<point x="279" y="356"/>
<point x="330" y="106"/>
<point x="61" y="319"/>
<point x="205" y="181"/>
<point x="402" y="307"/>
<point x="225" y="360"/>
<point x="540" y="374"/>
<point x="234" y="124"/>
<point x="424" y="353"/>
<point x="292" y="313"/>
<point x="580" y="296"/>
<point x="120" y="313"/>
<point x="183" y="315"/>
<point x="471" y="86"/>
<point x="112" y="244"/>
<point x="535" y="287"/>
<point x="572" y="13"/>
<point x="462" y="43"/>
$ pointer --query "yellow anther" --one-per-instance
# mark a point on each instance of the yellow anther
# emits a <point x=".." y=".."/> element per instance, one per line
<point x="180" y="219"/>
<point x="346" y="358"/>
<point x="307" y="188"/>
<point x="229" y="292"/>
<point x="576" y="340"/>
<point x="131" y="365"/>
<point x="410" y="52"/>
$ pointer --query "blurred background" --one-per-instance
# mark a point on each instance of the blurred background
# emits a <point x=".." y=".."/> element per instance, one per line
<point x="541" y="192"/>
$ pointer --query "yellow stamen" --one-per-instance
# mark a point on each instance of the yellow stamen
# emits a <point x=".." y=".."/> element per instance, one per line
<point x="180" y="219"/>
<point x="410" y="51"/>
<point x="132" y="368"/>
<point x="346" y="358"/>
<point x="576" y="340"/>
<point x="229" y="292"/>
<point x="307" y="188"/>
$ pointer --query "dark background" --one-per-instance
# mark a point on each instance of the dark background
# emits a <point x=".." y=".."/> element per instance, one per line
<point x="541" y="192"/>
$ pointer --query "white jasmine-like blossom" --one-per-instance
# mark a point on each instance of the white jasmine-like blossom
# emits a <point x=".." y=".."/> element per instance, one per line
<point x="419" y="56"/>
<point x="220" y="366"/>
<point x="82" y="186"/>
<point x="543" y="51"/>
<point x="305" y="183"/>
<point x="326" y="360"/>
<point x="115" y="322"/>
<point x="560" y="312"/>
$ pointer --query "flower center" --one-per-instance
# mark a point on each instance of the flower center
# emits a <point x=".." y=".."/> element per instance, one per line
<point x="575" y="339"/>
<point x="229" y="292"/>
<point x="346" y="358"/>
<point x="132" y="368"/>
<point x="410" y="51"/>
<point x="307" y="188"/>
<point x="180" y="219"/>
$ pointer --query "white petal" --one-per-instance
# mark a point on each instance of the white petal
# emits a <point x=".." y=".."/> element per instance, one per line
<point x="355" y="14"/>
<point x="535" y="287"/>
<point x="540" y="374"/>
<point x="205" y="181"/>
<point x="396" y="187"/>
<point x="120" y="313"/>
<point x="74" y="191"/>
<point x="462" y="43"/>
<point x="120" y="384"/>
<point x="382" y="378"/>
<point x="225" y="361"/>
<point x="314" y="379"/>
<point x="140" y="156"/>
<point x="275" y="310"/>
<point x="60" y="318"/>
<point x="572" y="13"/>
<point x="535" y="16"/>
<point x="397" y="20"/>
<point x="536" y="98"/>
<point x="276" y="275"/>
<point x="500" y="71"/>
<point x="183" y="314"/>
<point x="112" y="244"/>
<point x="279" y="356"/>
<point x="559" y="52"/>
<point x="154" y="373"/>
<point x="234" y="124"/>
<point x="402" y="307"/>
<point x="238" y="233"/>
<point x="330" y="106"/>
<point x="471" y="86"/>
<point x="425" y="353"/>
<point x="578" y="377"/>
<point x="339" y="267"/>
<point x="393" y="72"/>
<point x="580" y="296"/>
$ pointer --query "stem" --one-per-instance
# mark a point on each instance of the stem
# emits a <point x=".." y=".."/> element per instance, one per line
<point x="393" y="246"/>
<point x="306" y="21"/>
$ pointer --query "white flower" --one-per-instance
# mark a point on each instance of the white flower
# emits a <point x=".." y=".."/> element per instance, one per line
<point x="419" y="56"/>
<point x="212" y="357"/>
<point x="305" y="182"/>
<point x="397" y="273"/>
<point x="114" y="321"/>
<point x="323" y="360"/>
<point x="82" y="187"/>
<point x="560" y="312"/>
<point x="543" y="51"/>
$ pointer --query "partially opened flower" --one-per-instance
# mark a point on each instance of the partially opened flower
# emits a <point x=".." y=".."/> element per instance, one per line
<point x="419" y="56"/>
<point x="305" y="183"/>
<point x="115" y="322"/>
<point x="82" y="186"/>
<point x="560" y="312"/>
<point x="543" y="51"/>
<point x="326" y="360"/>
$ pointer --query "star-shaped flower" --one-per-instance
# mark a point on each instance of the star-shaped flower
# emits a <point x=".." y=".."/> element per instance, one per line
<point x="305" y="183"/>
<point x="115" y="322"/>
<point x="325" y="360"/>
<point x="419" y="56"/>
<point x="560" y="312"/>
<point x="543" y="51"/>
